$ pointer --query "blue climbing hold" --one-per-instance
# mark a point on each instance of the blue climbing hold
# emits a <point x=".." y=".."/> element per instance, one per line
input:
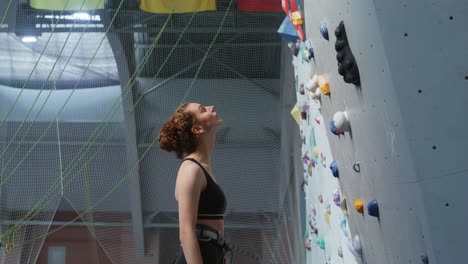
<point x="324" y="29"/>
<point x="373" y="208"/>
<point x="335" y="130"/>
<point x="287" y="31"/>
<point x="342" y="224"/>
<point x="334" y="169"/>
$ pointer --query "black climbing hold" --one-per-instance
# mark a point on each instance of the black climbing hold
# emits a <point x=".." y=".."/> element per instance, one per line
<point x="340" y="56"/>
<point x="340" y="44"/>
<point x="338" y="32"/>
<point x="348" y="68"/>
<point x="347" y="64"/>
<point x="341" y="69"/>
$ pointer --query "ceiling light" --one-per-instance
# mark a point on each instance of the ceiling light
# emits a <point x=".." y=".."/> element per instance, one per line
<point x="29" y="39"/>
<point x="81" y="16"/>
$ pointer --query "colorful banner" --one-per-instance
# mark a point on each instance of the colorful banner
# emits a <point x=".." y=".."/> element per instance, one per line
<point x="179" y="6"/>
<point x="67" y="4"/>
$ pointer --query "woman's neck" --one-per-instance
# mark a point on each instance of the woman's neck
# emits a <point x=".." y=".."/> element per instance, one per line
<point x="203" y="153"/>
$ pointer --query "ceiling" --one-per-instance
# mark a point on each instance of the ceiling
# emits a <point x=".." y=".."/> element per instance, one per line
<point x="248" y="40"/>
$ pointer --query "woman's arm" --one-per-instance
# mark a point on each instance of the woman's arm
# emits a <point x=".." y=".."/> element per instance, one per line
<point x="189" y="184"/>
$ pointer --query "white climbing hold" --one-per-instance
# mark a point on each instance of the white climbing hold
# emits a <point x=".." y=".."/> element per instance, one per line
<point x="341" y="121"/>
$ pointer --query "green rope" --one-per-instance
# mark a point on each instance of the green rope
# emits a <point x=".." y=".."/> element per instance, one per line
<point x="37" y="98"/>
<point x="55" y="118"/>
<point x="6" y="12"/>
<point x="34" y="67"/>
<point x="139" y="160"/>
<point x="168" y="56"/>
<point x="206" y="54"/>
<point x="37" y="206"/>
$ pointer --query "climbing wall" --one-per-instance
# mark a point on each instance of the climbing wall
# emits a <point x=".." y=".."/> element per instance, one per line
<point x="380" y="109"/>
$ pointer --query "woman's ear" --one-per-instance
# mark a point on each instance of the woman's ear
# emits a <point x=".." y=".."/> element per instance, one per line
<point x="196" y="129"/>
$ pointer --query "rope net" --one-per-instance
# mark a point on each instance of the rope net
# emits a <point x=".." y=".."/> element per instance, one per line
<point x="82" y="177"/>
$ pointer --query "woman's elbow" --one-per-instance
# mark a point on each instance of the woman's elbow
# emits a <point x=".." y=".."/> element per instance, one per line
<point x="185" y="234"/>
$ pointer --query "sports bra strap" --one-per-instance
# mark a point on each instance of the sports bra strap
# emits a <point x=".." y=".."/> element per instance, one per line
<point x="207" y="175"/>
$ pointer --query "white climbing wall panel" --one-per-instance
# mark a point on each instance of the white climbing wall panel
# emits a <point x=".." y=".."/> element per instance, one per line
<point x="408" y="121"/>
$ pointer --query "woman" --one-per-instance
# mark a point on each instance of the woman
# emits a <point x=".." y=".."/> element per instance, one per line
<point x="191" y="133"/>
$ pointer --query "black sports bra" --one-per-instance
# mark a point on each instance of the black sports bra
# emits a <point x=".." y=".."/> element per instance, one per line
<point x="212" y="203"/>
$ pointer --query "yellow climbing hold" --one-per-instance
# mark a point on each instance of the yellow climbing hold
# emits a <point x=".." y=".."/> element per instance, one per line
<point x="296" y="18"/>
<point x="326" y="216"/>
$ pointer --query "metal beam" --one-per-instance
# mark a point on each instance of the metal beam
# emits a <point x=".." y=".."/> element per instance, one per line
<point x="135" y="20"/>
<point x="124" y="56"/>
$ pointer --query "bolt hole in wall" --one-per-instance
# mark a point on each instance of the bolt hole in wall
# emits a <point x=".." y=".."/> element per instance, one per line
<point x="406" y="34"/>
<point x="447" y="204"/>
<point x="434" y="147"/>
<point x="419" y="91"/>
<point x="451" y="17"/>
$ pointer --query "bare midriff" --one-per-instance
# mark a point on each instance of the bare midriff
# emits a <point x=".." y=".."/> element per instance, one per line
<point x="216" y="224"/>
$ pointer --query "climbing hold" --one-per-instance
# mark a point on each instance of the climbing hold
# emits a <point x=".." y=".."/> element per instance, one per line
<point x="296" y="114"/>
<point x="356" y="252"/>
<point x="8" y="247"/>
<point x="314" y="211"/>
<point x="334" y="169"/>
<point x="342" y="224"/>
<point x="347" y="66"/>
<point x="317" y="121"/>
<point x="305" y="158"/>
<point x="425" y="259"/>
<point x="307" y="51"/>
<point x="323" y="84"/>
<point x="326" y="216"/>
<point x="336" y="197"/>
<point x="373" y="208"/>
<point x="328" y="209"/>
<point x="296" y="18"/>
<point x="359" y="206"/>
<point x="301" y="89"/>
<point x="305" y="109"/>
<point x="357" y="167"/>
<point x="324" y="30"/>
<point x="320" y="198"/>
<point x="315" y="95"/>
<point x="312" y="84"/>
<point x="320" y="242"/>
<point x="293" y="48"/>
<point x="323" y="159"/>
<point x="315" y="152"/>
<point x="334" y="129"/>
<point x="287" y="30"/>
<point x="357" y="244"/>
<point x="298" y="45"/>
<point x="308" y="243"/>
<point x="325" y="89"/>
<point x="341" y="121"/>
<point x="343" y="205"/>
<point x="340" y="252"/>
<point x="310" y="53"/>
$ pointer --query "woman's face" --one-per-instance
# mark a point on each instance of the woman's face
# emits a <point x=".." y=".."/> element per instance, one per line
<point x="205" y="116"/>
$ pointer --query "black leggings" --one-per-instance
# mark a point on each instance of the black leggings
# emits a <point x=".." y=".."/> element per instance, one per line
<point x="211" y="251"/>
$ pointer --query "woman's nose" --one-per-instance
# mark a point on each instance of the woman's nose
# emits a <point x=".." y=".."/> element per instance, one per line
<point x="212" y="108"/>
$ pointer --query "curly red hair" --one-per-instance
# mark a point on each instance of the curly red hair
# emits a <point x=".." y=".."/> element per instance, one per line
<point x="176" y="134"/>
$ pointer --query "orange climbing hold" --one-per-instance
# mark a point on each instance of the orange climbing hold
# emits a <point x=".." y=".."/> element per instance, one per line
<point x="359" y="205"/>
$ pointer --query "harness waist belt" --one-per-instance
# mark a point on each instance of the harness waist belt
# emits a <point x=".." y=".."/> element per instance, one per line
<point x="204" y="231"/>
